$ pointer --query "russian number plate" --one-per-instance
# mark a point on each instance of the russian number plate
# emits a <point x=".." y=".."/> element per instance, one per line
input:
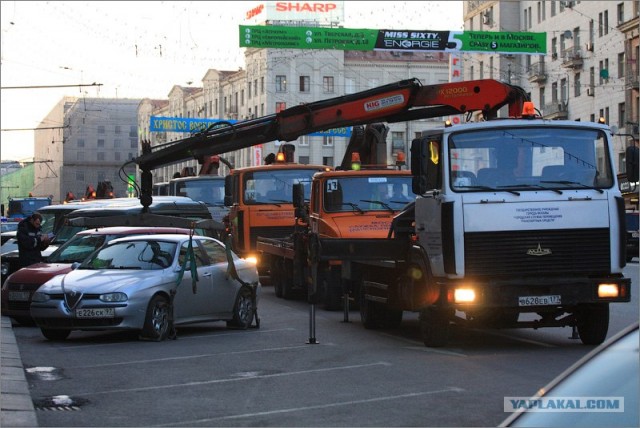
<point x="21" y="296"/>
<point x="95" y="313"/>
<point x="538" y="300"/>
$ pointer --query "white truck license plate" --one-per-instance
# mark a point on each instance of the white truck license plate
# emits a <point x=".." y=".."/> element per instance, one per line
<point x="95" y="313"/>
<point x="538" y="300"/>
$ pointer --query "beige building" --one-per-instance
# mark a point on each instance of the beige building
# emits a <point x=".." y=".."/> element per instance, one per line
<point x="591" y="66"/>
<point x="83" y="141"/>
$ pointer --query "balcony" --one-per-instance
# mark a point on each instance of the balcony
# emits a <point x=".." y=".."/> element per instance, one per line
<point x="572" y="58"/>
<point x="556" y="110"/>
<point x="537" y="73"/>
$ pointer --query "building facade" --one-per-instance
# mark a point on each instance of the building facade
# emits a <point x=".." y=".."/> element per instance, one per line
<point x="591" y="66"/>
<point x="91" y="141"/>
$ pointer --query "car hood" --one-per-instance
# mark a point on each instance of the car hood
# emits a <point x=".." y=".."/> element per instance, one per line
<point x="39" y="273"/>
<point x="105" y="281"/>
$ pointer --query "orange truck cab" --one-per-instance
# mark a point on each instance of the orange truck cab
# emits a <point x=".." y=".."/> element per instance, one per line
<point x="260" y="203"/>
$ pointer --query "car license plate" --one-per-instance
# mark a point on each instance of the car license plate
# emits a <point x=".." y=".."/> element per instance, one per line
<point x="538" y="300"/>
<point x="95" y="313"/>
<point x="635" y="234"/>
<point x="21" y="296"/>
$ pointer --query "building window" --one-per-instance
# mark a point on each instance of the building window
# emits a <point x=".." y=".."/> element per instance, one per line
<point x="482" y="68"/>
<point x="242" y="97"/>
<point x="280" y="106"/>
<point x="100" y="129"/>
<point x="116" y="155"/>
<point x="576" y="85"/>
<point x="101" y="176"/>
<point x="620" y="13"/>
<point x="471" y="73"/>
<point x="80" y="142"/>
<point x="541" y="95"/>
<point x="80" y="176"/>
<point x="133" y="143"/>
<point x="80" y="156"/>
<point x="304" y="160"/>
<point x="305" y="84"/>
<point x="554" y="92"/>
<point x="101" y="144"/>
<point x="118" y="129"/>
<point x="397" y="142"/>
<point x="622" y="119"/>
<point x="327" y="160"/>
<point x="563" y="90"/>
<point x="327" y="84"/>
<point x="304" y="140"/>
<point x="100" y="156"/>
<point x="117" y="143"/>
<point x="131" y="156"/>
<point x="281" y="83"/>
<point x="553" y="8"/>
<point x="261" y="85"/>
<point x="133" y="131"/>
<point x="249" y="90"/>
<point x="327" y="141"/>
<point x="349" y="86"/>
<point x="621" y="66"/>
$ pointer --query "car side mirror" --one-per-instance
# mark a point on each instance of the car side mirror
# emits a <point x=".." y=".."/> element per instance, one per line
<point x="75" y="265"/>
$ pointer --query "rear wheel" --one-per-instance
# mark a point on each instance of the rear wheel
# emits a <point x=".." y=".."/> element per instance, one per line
<point x="244" y="310"/>
<point x="55" y="334"/>
<point x="156" y="324"/>
<point x="593" y="323"/>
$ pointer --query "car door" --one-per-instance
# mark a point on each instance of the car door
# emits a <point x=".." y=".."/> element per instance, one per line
<point x="224" y="288"/>
<point x="190" y="301"/>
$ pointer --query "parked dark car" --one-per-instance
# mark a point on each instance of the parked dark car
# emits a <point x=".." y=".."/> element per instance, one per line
<point x="19" y="287"/>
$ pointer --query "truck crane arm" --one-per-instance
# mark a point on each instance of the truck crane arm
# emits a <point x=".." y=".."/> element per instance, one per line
<point x="396" y="102"/>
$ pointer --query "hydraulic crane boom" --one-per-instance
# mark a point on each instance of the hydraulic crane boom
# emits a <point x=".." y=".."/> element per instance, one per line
<point x="396" y="102"/>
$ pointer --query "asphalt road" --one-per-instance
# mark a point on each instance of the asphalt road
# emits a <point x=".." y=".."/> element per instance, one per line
<point x="211" y="376"/>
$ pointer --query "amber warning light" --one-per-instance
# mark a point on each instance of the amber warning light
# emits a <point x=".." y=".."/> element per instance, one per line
<point x="528" y="110"/>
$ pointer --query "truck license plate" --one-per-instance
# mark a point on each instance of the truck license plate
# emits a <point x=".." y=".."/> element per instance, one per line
<point x="21" y="296"/>
<point x="538" y="300"/>
<point x="95" y="313"/>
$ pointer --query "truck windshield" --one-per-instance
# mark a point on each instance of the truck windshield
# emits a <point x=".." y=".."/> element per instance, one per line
<point x="275" y="186"/>
<point x="529" y="159"/>
<point x="210" y="191"/>
<point x="375" y="193"/>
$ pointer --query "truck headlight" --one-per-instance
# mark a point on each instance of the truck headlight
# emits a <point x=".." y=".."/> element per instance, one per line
<point x="608" y="290"/>
<point x="464" y="295"/>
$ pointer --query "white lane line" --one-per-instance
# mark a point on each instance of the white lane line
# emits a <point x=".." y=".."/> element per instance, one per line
<point x="189" y="357"/>
<point x="240" y="379"/>
<point x="317" y="407"/>
<point x="517" y="339"/>
<point x="207" y="336"/>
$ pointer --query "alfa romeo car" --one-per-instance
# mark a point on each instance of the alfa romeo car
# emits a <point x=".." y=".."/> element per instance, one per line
<point x="150" y="284"/>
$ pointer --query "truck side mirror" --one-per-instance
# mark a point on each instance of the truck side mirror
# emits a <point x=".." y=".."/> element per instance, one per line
<point x="425" y="164"/>
<point x="298" y="195"/>
<point x="228" y="191"/>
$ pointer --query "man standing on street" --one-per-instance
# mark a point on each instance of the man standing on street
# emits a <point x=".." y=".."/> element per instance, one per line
<point x="30" y="240"/>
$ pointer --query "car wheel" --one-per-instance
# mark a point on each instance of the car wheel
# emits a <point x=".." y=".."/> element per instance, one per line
<point x="156" y="323"/>
<point x="593" y="323"/>
<point x="55" y="334"/>
<point x="243" y="310"/>
<point x="434" y="327"/>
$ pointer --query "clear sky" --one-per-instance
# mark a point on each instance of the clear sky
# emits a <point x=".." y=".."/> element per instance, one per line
<point x="141" y="49"/>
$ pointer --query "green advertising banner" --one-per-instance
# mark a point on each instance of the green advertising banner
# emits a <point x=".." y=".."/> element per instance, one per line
<point x="282" y="37"/>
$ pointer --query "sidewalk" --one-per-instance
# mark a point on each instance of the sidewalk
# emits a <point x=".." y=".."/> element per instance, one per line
<point x="15" y="401"/>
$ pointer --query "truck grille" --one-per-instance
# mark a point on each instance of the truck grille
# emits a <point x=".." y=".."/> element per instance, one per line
<point x="583" y="251"/>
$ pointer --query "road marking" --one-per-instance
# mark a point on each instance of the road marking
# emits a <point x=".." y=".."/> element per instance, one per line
<point x="189" y="357"/>
<point x="517" y="339"/>
<point x="317" y="407"/>
<point x="208" y="336"/>
<point x="235" y="379"/>
<point x="423" y="348"/>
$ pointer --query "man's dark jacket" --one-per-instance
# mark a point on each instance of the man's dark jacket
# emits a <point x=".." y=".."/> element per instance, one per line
<point x="29" y="243"/>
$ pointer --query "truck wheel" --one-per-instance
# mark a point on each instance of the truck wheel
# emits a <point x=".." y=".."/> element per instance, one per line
<point x="287" y="280"/>
<point x="369" y="313"/>
<point x="332" y="289"/>
<point x="55" y="335"/>
<point x="434" y="327"/>
<point x="277" y="276"/>
<point x="593" y="323"/>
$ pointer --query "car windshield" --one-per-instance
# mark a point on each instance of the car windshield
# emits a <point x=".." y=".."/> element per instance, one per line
<point x="367" y="193"/>
<point x="77" y="249"/>
<point x="148" y="254"/>
<point x="529" y="159"/>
